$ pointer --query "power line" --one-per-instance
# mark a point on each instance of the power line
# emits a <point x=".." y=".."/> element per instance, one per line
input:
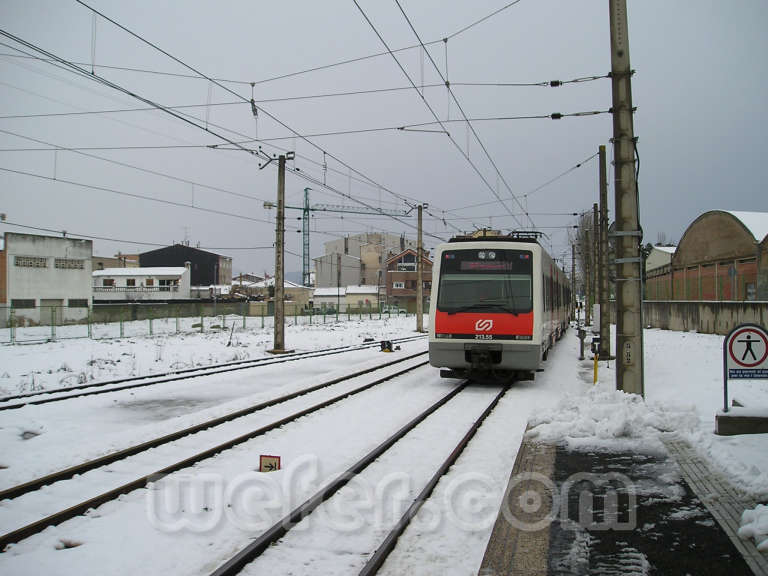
<point x="547" y="183"/>
<point x="483" y="19"/>
<point x="56" y="147"/>
<point x="548" y="83"/>
<point x="117" y="87"/>
<point x="283" y="76"/>
<point x="68" y="233"/>
<point x="426" y="103"/>
<point x="132" y="195"/>
<point x="402" y="128"/>
<point x="275" y="119"/>
<point x="184" y="117"/>
<point x="458" y="104"/>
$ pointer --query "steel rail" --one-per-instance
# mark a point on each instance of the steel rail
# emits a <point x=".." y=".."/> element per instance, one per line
<point x="377" y="560"/>
<point x="280" y="528"/>
<point x="79" y="509"/>
<point x="31" y="485"/>
<point x="184" y="374"/>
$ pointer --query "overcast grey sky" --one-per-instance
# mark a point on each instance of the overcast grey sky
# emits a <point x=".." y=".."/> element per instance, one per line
<point x="699" y="88"/>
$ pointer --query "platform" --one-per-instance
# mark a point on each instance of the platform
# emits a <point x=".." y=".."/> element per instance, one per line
<point x="586" y="512"/>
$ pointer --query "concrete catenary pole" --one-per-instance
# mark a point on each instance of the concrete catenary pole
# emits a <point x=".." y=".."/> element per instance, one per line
<point x="419" y="278"/>
<point x="595" y="259"/>
<point x="602" y="265"/>
<point x="629" y="322"/>
<point x="574" y="312"/>
<point x="279" y="340"/>
<point x="586" y="256"/>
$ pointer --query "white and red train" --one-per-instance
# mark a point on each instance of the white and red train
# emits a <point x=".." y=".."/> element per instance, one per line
<point x="498" y="305"/>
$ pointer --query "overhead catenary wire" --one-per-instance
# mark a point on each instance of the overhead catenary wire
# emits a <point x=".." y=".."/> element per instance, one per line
<point x="282" y="76"/>
<point x="402" y="127"/>
<point x="429" y="107"/>
<point x="56" y="147"/>
<point x="70" y="234"/>
<point x="186" y="118"/>
<point x="271" y="116"/>
<point x="461" y="110"/>
<point x="131" y="194"/>
<point x="547" y="83"/>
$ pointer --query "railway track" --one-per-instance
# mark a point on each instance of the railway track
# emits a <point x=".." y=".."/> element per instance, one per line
<point x="271" y="537"/>
<point x="116" y="385"/>
<point x="29" y="488"/>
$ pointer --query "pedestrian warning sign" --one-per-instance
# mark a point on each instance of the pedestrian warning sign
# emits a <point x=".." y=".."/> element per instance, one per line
<point x="745" y="356"/>
<point x="746" y="352"/>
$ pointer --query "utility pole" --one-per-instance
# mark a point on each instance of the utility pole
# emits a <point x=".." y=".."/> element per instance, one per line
<point x="305" y="240"/>
<point x="279" y="343"/>
<point x="586" y="256"/>
<point x="629" y="322"/>
<point x="573" y="281"/>
<point x="419" y="278"/>
<point x="279" y="299"/>
<point x="595" y="258"/>
<point x="602" y="263"/>
<point x="338" y="284"/>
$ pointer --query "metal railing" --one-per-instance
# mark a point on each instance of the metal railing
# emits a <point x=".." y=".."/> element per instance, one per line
<point x="128" y="289"/>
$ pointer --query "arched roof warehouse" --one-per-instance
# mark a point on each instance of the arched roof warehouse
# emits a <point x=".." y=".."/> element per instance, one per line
<point x="723" y="255"/>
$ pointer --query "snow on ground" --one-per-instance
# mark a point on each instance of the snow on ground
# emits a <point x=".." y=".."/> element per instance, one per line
<point x="28" y="368"/>
<point x="683" y="392"/>
<point x="754" y="524"/>
<point x="683" y="384"/>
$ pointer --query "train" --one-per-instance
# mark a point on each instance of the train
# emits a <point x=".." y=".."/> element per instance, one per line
<point x="498" y="304"/>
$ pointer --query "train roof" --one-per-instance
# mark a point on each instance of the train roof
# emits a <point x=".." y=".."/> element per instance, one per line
<point x="530" y="237"/>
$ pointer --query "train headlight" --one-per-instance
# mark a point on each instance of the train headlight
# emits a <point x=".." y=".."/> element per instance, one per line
<point x="481" y="255"/>
<point x="491" y="255"/>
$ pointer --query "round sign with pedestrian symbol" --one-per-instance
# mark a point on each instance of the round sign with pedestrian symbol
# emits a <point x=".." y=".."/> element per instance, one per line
<point x="748" y="347"/>
<point x="745" y="356"/>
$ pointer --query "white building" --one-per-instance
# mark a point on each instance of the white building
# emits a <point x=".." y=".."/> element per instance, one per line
<point x="363" y="297"/>
<point x="329" y="298"/>
<point x="45" y="278"/>
<point x="141" y="284"/>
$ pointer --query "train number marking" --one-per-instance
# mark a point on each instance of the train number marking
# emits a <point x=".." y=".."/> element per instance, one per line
<point x="483" y="336"/>
<point x="484" y="325"/>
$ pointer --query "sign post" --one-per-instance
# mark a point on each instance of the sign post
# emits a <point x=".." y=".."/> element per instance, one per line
<point x="745" y="356"/>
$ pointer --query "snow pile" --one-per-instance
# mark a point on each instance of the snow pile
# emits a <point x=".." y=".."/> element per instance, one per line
<point x="754" y="524"/>
<point x="608" y="417"/>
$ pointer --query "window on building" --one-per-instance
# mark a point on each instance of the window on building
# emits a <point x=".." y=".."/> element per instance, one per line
<point x="22" y="303"/>
<point x="149" y="282"/>
<point x="30" y="261"/>
<point x="77" y="303"/>
<point x="131" y="282"/>
<point x="398" y="285"/>
<point x="427" y="285"/>
<point x="108" y="282"/>
<point x="69" y="264"/>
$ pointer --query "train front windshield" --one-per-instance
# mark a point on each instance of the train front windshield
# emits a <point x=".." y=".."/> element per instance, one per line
<point x="489" y="280"/>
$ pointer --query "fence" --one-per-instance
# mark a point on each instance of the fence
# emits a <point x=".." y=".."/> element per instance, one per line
<point x="104" y="321"/>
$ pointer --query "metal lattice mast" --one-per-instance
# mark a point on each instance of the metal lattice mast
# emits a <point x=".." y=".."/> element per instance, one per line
<point x="305" y="238"/>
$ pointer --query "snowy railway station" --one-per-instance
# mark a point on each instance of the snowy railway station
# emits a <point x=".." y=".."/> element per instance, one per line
<point x="543" y="443"/>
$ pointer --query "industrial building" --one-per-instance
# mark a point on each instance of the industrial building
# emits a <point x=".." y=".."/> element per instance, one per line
<point x="158" y="284"/>
<point x="44" y="278"/>
<point x="206" y="268"/>
<point x="722" y="256"/>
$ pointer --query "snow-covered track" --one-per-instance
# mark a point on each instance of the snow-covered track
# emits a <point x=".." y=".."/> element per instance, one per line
<point x="116" y="385"/>
<point x="278" y="530"/>
<point x="82" y="507"/>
